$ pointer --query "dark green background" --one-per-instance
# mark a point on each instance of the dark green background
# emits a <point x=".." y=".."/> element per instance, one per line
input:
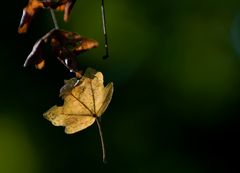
<point x="176" y="71"/>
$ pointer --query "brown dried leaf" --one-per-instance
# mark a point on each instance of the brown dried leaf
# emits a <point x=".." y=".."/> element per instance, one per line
<point x="34" y="5"/>
<point x="83" y="103"/>
<point x="65" y="47"/>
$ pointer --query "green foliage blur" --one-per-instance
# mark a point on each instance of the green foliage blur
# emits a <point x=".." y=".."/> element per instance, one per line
<point x="176" y="72"/>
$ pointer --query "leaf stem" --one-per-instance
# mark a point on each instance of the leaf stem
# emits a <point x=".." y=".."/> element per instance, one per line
<point x="54" y="19"/>
<point x="102" y="141"/>
<point x="104" y="30"/>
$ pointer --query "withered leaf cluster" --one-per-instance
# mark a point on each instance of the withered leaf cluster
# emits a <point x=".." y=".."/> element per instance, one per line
<point x="84" y="101"/>
<point x="34" y="5"/>
<point x="65" y="46"/>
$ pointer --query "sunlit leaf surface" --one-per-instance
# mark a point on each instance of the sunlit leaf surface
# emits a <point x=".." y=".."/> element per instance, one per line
<point x="84" y="101"/>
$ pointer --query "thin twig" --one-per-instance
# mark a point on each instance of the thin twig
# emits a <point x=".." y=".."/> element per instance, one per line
<point x="54" y="19"/>
<point x="104" y="30"/>
<point x="102" y="141"/>
<point x="71" y="70"/>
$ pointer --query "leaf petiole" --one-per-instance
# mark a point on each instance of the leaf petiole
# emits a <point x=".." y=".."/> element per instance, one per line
<point x="54" y="19"/>
<point x="102" y="141"/>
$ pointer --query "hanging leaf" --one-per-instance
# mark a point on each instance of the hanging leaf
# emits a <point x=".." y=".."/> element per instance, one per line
<point x="34" y="5"/>
<point x="65" y="47"/>
<point x="84" y="101"/>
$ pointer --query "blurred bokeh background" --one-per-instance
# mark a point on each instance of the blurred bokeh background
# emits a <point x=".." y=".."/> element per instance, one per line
<point x="176" y="71"/>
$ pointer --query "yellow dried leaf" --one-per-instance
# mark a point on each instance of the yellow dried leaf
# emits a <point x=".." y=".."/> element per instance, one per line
<point x="84" y="101"/>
